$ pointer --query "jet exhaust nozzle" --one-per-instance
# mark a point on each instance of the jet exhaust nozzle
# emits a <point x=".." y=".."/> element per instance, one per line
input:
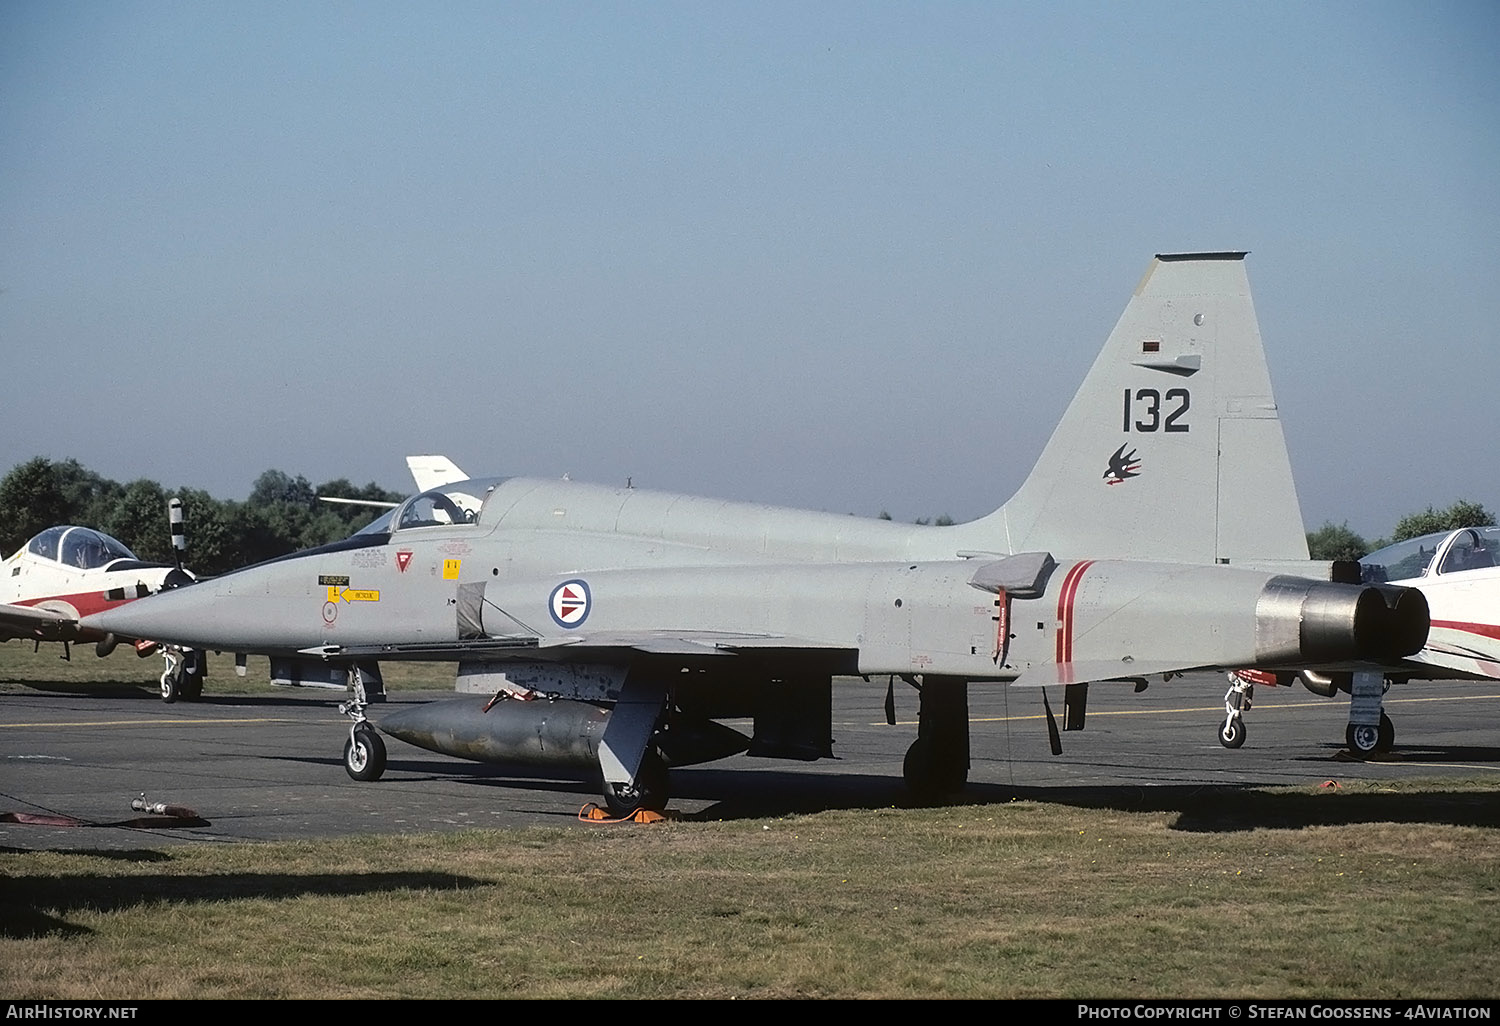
<point x="1317" y="622"/>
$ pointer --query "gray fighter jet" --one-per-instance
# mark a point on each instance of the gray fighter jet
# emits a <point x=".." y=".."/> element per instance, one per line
<point x="613" y="628"/>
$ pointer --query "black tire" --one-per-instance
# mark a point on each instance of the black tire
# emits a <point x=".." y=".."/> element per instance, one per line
<point x="194" y="670"/>
<point x="931" y="772"/>
<point x="171" y="686"/>
<point x="1387" y="735"/>
<point x="1232" y="733"/>
<point x="1363" y="739"/>
<point x="364" y="754"/>
<point x="651" y="790"/>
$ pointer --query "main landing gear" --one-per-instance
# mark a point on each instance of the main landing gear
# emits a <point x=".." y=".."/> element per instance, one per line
<point x="937" y="763"/>
<point x="649" y="790"/>
<point x="183" y="676"/>
<point x="1370" y="731"/>
<point x="1364" y="739"/>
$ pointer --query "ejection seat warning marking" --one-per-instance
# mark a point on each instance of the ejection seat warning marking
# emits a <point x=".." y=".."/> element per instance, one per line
<point x="569" y="603"/>
<point x="451" y="568"/>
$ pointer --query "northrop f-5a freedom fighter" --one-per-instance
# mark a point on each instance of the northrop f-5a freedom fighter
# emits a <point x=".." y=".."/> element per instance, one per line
<point x="612" y="629"/>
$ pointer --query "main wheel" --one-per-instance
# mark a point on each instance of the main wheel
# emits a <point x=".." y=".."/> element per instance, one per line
<point x="364" y="754"/>
<point x="1387" y="735"/>
<point x="1232" y="733"/>
<point x="194" y="670"/>
<point x="932" y="772"/>
<point x="650" y="790"/>
<point x="1363" y="739"/>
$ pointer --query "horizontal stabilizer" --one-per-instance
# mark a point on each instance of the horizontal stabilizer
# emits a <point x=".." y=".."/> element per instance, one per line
<point x="1022" y="576"/>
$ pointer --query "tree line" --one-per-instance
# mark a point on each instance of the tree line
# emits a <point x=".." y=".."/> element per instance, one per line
<point x="282" y="515"/>
<point x="1337" y="541"/>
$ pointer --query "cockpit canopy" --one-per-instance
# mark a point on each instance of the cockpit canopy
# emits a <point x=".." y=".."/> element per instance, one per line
<point x="82" y="548"/>
<point x="1443" y="552"/>
<point x="460" y="502"/>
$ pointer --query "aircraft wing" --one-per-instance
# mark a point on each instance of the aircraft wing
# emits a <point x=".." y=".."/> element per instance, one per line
<point x="1459" y="660"/>
<point x="690" y="644"/>
<point x="31" y="621"/>
<point x="1092" y="672"/>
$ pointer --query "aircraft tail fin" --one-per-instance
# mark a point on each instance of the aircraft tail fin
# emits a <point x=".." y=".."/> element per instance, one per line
<point x="1172" y="448"/>
<point x="433" y="471"/>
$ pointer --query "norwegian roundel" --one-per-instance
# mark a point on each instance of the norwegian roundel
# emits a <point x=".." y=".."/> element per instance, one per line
<point x="569" y="603"/>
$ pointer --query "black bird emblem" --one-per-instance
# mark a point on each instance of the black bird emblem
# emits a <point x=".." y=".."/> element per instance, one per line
<point x="1121" y="466"/>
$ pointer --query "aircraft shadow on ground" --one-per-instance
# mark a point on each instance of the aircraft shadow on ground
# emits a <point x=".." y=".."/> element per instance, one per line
<point x="94" y="689"/>
<point x="1231" y="808"/>
<point x="736" y="794"/>
<point x="34" y="906"/>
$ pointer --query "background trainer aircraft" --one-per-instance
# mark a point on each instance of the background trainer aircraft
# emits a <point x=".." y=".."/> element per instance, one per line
<point x="65" y="573"/>
<point x="1458" y="573"/>
<point x="68" y="572"/>
<point x="615" y="627"/>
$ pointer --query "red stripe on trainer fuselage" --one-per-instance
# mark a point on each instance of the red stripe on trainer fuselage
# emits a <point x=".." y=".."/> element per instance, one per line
<point x="1483" y="630"/>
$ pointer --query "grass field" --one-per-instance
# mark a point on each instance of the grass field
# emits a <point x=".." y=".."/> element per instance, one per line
<point x="1370" y="891"/>
<point x="23" y="668"/>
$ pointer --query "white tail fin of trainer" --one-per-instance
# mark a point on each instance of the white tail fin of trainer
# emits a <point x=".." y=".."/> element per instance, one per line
<point x="433" y="471"/>
<point x="1172" y="449"/>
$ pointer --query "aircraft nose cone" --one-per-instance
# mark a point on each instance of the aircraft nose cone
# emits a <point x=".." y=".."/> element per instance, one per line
<point x="132" y="620"/>
<point x="183" y="616"/>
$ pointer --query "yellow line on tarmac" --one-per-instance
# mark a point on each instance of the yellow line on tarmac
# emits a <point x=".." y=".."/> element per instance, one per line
<point x="1219" y="708"/>
<point x="1440" y="698"/>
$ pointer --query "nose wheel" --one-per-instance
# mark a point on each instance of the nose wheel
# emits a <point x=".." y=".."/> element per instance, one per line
<point x="1232" y="733"/>
<point x="1237" y="701"/>
<point x="364" y="751"/>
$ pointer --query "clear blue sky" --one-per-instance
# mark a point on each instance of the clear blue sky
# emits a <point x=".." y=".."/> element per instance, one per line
<point x="845" y="256"/>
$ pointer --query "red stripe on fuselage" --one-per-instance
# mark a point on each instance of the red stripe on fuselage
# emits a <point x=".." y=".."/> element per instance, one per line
<point x="1484" y="630"/>
<point x="1065" y="599"/>
<point x="86" y="602"/>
